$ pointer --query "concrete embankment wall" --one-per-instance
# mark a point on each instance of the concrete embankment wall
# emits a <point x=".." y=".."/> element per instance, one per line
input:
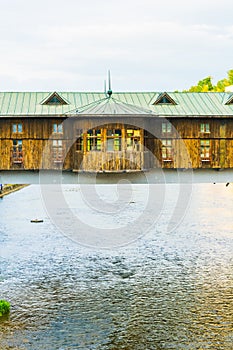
<point x="7" y="189"/>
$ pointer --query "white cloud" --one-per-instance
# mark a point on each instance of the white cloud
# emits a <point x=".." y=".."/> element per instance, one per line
<point x="148" y="44"/>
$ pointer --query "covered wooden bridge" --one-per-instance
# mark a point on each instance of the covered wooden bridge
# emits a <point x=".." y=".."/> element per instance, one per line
<point x="115" y="132"/>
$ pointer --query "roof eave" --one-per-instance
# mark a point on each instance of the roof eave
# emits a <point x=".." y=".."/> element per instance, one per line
<point x="110" y="115"/>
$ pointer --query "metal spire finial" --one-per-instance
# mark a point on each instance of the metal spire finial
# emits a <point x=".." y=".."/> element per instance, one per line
<point x="105" y="88"/>
<point x="109" y="92"/>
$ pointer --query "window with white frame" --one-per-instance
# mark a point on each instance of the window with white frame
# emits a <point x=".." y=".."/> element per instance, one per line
<point x="166" y="127"/>
<point x="113" y="139"/>
<point x="57" y="128"/>
<point x="205" y="150"/>
<point x="79" y="140"/>
<point x="57" y="151"/>
<point x="17" y="151"/>
<point x="205" y="128"/>
<point x="133" y="140"/>
<point x="167" y="150"/>
<point x="94" y="140"/>
<point x="17" y="127"/>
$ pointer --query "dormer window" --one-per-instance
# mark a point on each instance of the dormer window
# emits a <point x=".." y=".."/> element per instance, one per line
<point x="54" y="99"/>
<point x="164" y="99"/>
<point x="229" y="101"/>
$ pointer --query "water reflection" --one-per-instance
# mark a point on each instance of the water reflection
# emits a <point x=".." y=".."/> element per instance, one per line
<point x="165" y="291"/>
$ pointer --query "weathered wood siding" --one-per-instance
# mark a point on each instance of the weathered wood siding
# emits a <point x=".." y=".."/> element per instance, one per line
<point x="105" y="160"/>
<point x="37" y="137"/>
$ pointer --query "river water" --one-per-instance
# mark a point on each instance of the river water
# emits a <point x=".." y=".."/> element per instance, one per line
<point x="162" y="290"/>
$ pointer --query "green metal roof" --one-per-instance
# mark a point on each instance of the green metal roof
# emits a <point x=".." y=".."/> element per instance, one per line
<point x="187" y="104"/>
<point x="109" y="106"/>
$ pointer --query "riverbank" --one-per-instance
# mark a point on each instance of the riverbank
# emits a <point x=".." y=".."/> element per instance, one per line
<point x="10" y="188"/>
<point x="7" y="332"/>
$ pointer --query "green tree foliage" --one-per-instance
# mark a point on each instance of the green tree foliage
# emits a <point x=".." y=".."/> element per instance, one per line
<point x="205" y="85"/>
<point x="4" y="307"/>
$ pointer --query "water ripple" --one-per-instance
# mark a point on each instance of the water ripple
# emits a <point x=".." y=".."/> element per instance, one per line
<point x="165" y="291"/>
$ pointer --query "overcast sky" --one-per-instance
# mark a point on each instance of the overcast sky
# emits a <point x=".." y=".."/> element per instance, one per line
<point x="148" y="45"/>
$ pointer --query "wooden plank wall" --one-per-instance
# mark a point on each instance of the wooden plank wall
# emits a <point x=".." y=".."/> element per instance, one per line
<point x="37" y="142"/>
<point x="107" y="161"/>
<point x="185" y="140"/>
